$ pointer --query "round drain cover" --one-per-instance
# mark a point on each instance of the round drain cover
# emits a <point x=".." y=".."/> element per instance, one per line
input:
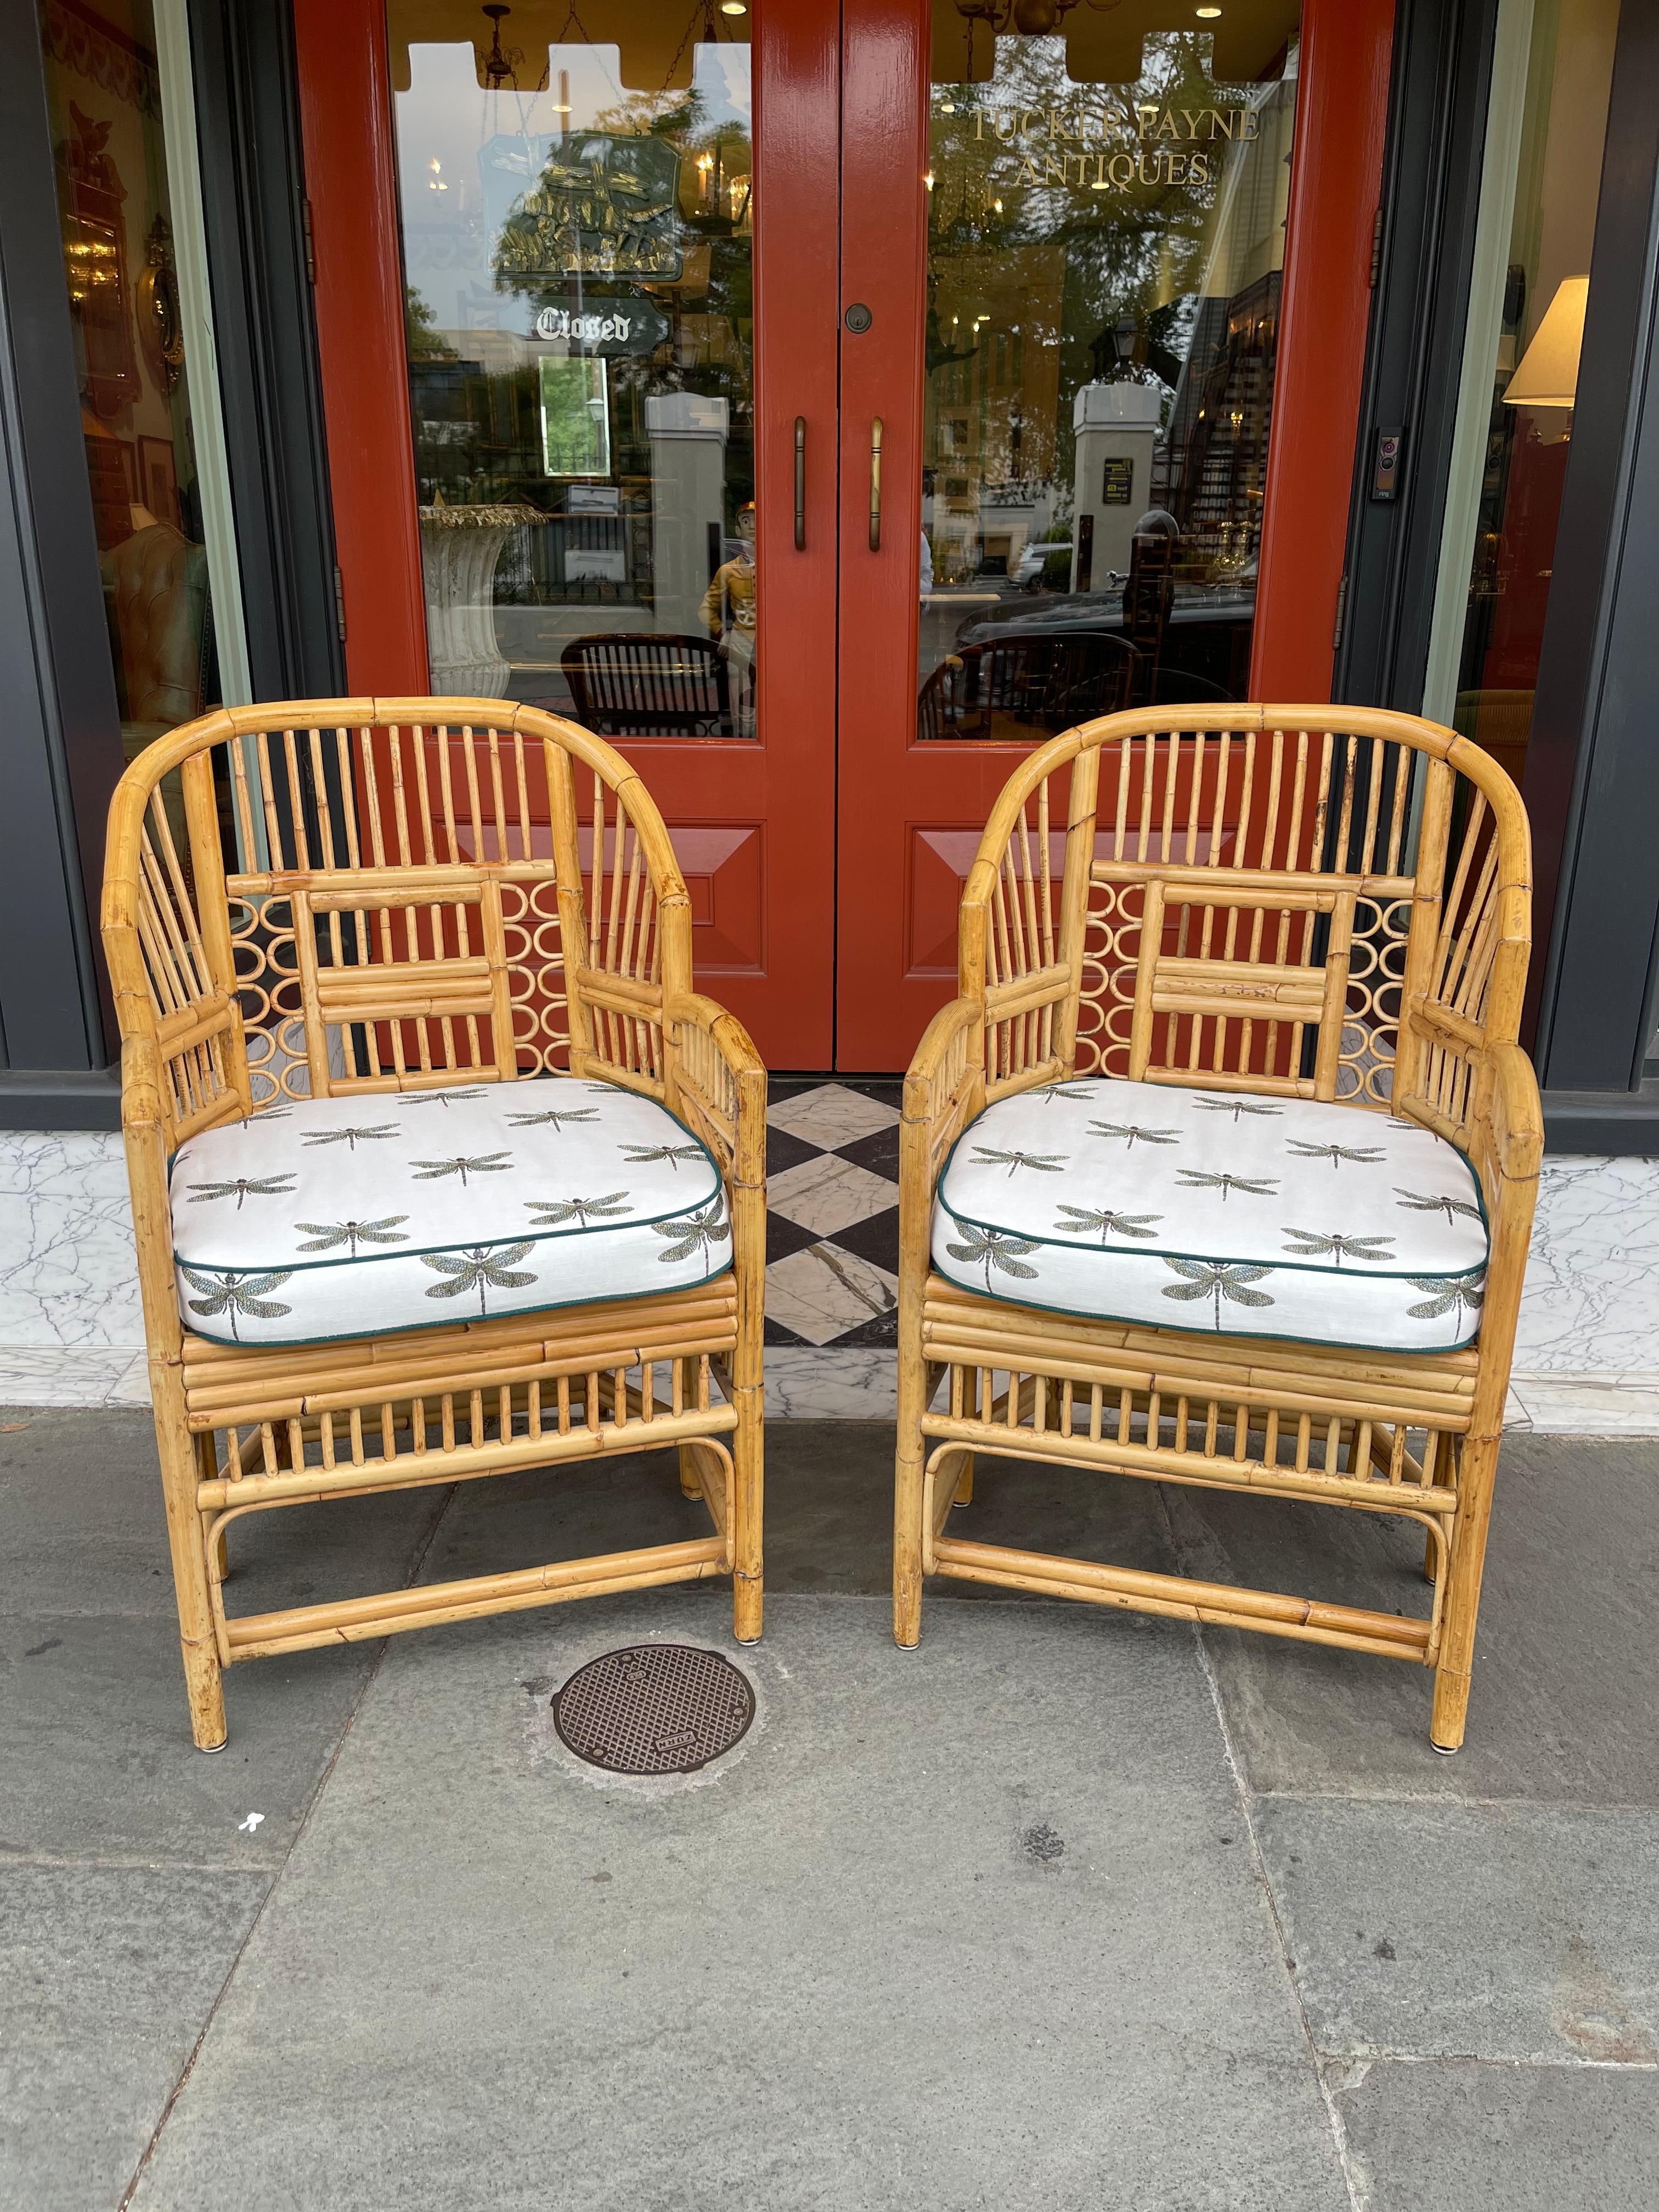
<point x="653" y="1709"/>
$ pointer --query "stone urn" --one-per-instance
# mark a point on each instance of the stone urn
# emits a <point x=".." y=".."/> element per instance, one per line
<point x="460" y="548"/>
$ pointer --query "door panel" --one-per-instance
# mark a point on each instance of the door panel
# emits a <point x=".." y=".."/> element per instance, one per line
<point x="1100" y="358"/>
<point x="599" y="315"/>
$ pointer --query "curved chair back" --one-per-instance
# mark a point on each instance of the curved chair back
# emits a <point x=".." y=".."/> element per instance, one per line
<point x="1327" y="902"/>
<point x="381" y="895"/>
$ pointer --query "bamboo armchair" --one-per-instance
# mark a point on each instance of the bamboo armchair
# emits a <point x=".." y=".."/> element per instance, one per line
<point x="391" y="896"/>
<point x="1291" y="903"/>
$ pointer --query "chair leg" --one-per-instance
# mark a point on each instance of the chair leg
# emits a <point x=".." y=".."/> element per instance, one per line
<point x="186" y="1539"/>
<point x="1469" y="1554"/>
<point x="965" y="1482"/>
<point x="689" y="1485"/>
<point x="908" y="1491"/>
<point x="748" y="1492"/>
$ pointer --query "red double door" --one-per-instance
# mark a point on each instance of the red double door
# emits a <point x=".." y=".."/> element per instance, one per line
<point x="825" y="834"/>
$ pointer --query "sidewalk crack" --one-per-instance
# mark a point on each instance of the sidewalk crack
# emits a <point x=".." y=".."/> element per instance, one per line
<point x="1355" y="2177"/>
<point x="411" y="1576"/>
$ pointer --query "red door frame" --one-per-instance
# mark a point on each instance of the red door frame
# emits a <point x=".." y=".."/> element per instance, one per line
<point x="779" y="792"/>
<point x="906" y="810"/>
<point x="351" y="193"/>
<point x="1336" y="187"/>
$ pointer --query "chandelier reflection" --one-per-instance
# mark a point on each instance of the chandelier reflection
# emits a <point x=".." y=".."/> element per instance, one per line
<point x="1031" y="19"/>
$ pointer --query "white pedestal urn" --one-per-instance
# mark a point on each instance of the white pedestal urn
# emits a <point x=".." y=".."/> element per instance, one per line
<point x="460" y="548"/>
<point x="1116" y="428"/>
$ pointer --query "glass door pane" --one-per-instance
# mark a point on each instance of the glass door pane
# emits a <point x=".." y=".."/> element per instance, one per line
<point x="1530" y="378"/>
<point x="1106" y="234"/>
<point x="134" y="265"/>
<point x="578" y="220"/>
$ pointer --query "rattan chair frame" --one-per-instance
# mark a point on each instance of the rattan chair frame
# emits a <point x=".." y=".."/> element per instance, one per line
<point x="402" y="917"/>
<point x="1365" y="941"/>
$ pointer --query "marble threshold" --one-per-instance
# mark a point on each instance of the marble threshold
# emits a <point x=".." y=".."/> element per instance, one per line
<point x="1585" y="1360"/>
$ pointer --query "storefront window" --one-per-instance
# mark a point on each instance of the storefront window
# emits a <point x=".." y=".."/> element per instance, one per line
<point x="1106" y="239"/>
<point x="1533" y="370"/>
<point x="578" y="206"/>
<point x="133" y="362"/>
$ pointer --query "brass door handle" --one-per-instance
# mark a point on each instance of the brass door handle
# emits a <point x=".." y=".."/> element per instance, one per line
<point x="875" y="485"/>
<point x="801" y="483"/>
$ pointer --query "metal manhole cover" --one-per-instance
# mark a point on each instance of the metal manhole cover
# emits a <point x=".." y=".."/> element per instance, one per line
<point x="653" y="1709"/>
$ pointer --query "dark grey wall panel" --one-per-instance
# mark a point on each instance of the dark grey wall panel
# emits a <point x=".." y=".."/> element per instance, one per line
<point x="1592" y="780"/>
<point x="1432" y="191"/>
<point x="60" y="738"/>
<point x="253" y="175"/>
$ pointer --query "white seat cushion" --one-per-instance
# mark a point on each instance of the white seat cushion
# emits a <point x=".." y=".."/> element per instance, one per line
<point x="1210" y="1209"/>
<point x="335" y="1218"/>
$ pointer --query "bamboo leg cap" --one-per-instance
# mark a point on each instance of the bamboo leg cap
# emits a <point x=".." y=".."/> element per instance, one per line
<point x="207" y="1748"/>
<point x="1445" y="1750"/>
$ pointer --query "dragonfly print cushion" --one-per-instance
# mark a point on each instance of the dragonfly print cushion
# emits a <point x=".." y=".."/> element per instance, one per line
<point x="350" y="1217"/>
<point x="1213" y="1210"/>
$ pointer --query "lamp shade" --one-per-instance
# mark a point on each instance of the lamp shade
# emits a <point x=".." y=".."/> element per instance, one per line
<point x="1548" y="373"/>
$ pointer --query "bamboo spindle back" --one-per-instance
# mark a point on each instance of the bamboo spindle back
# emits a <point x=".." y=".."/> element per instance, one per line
<point x="351" y="895"/>
<point x="1320" y="902"/>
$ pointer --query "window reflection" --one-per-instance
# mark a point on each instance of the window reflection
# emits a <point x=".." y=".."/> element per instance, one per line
<point x="578" y="212"/>
<point x="1534" y="373"/>
<point x="1106" y="238"/>
<point x="103" y="99"/>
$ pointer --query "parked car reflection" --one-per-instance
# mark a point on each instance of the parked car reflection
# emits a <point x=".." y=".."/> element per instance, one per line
<point x="1029" y="666"/>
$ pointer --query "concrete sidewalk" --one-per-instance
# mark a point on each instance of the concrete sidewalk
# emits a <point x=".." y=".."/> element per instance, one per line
<point x="1070" y="1908"/>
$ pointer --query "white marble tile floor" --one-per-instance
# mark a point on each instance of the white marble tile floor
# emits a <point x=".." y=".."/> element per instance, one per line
<point x="830" y="1114"/>
<point x="1547" y="1404"/>
<point x="1591" y="1304"/>
<point x="54" y="1375"/>
<point x="827" y="1193"/>
<point x="67" y="1274"/>
<point x="825" y="1291"/>
<point x="832" y="1383"/>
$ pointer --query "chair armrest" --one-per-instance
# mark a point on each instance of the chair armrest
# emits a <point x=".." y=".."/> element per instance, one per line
<point x="720" y="1083"/>
<point x="943" y="1092"/>
<point x="144" y="1137"/>
<point x="1506" y="1145"/>
<point x="1508" y="1130"/>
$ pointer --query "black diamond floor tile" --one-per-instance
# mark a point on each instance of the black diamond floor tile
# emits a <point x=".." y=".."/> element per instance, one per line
<point x="784" y="1150"/>
<point x="879" y="1330"/>
<point x="875" y="1239"/>
<point x="879" y="1153"/>
<point x="784" y="1236"/>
